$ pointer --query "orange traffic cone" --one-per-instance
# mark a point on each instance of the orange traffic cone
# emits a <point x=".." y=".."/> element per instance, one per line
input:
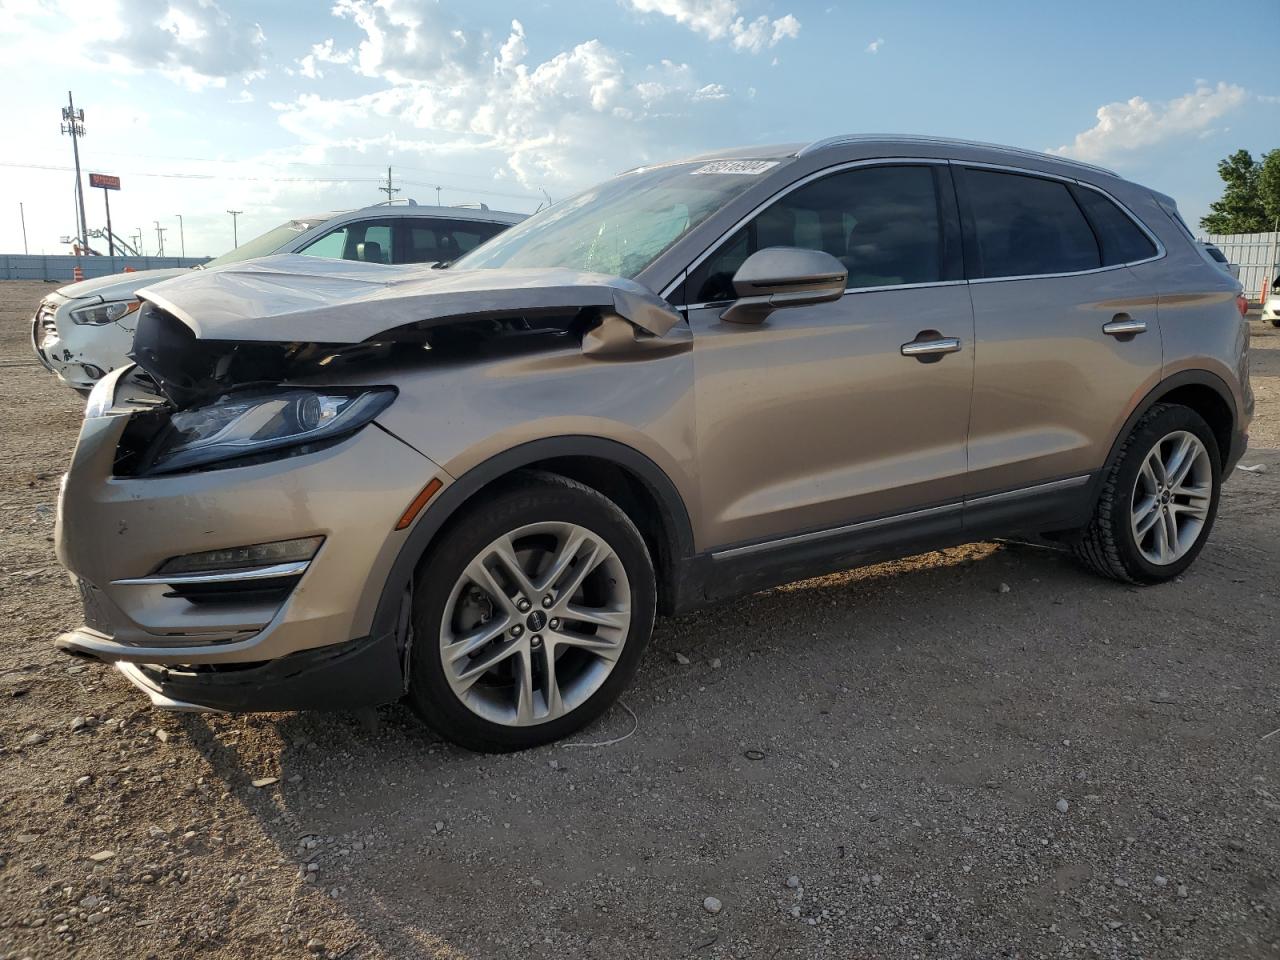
<point x="129" y="270"/>
<point x="77" y="273"/>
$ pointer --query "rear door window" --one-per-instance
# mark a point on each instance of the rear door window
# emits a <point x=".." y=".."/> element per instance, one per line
<point x="428" y="241"/>
<point x="882" y="223"/>
<point x="1027" y="226"/>
<point x="1121" y="239"/>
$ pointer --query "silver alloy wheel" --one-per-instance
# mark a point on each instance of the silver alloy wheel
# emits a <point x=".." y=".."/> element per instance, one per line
<point x="1171" y="498"/>
<point x="535" y="623"/>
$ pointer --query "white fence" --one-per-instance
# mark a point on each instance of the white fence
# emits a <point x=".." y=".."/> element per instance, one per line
<point x="59" y="267"/>
<point x="1257" y="254"/>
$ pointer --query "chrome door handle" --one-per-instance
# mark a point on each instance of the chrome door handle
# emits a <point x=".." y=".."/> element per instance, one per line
<point x="1127" y="327"/>
<point x="931" y="348"/>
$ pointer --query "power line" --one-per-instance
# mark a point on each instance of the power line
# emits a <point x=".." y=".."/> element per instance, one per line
<point x="212" y="176"/>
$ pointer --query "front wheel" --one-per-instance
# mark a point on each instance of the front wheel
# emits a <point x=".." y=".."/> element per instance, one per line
<point x="1158" y="500"/>
<point x="530" y="615"/>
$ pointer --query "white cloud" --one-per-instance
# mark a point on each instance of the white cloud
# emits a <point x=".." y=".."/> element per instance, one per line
<point x="875" y="45"/>
<point x="194" y="41"/>
<point x="1136" y="123"/>
<point x="720" y="19"/>
<point x="711" y="91"/>
<point x="309" y="66"/>
<point x="571" y="118"/>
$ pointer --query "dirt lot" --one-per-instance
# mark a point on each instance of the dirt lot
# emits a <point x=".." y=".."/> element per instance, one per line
<point x="899" y="739"/>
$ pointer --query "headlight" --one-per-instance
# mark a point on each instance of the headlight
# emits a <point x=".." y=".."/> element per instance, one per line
<point x="272" y="423"/>
<point x="103" y="313"/>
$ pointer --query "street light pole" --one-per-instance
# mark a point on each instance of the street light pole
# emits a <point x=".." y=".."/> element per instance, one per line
<point x="235" y="235"/>
<point x="22" y="215"/>
<point x="182" y="237"/>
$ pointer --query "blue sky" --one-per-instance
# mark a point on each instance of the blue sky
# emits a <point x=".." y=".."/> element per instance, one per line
<point x="280" y="109"/>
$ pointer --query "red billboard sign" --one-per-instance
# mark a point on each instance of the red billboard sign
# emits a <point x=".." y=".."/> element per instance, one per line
<point x="107" y="181"/>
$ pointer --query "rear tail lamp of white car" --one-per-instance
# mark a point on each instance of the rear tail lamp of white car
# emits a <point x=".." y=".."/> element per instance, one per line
<point x="261" y="425"/>
<point x="102" y="313"/>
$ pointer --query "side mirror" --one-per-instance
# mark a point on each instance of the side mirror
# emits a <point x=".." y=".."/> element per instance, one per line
<point x="779" y="277"/>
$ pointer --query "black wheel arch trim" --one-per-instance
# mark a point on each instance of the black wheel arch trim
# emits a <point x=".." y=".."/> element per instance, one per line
<point x="1183" y="378"/>
<point x="387" y="617"/>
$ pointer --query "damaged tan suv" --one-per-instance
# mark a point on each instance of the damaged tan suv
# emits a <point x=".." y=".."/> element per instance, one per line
<point x="339" y="484"/>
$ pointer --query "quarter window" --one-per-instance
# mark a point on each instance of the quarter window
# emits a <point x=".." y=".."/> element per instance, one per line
<point x="1027" y="226"/>
<point x="882" y="223"/>
<point x="1121" y="239"/>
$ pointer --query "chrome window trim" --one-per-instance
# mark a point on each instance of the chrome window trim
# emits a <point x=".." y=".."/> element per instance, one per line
<point x="852" y="138"/>
<point x="808" y="178"/>
<point x="848" y="290"/>
<point x="1160" y="253"/>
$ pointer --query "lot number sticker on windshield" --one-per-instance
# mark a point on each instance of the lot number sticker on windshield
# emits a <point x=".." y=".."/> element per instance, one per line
<point x="747" y="168"/>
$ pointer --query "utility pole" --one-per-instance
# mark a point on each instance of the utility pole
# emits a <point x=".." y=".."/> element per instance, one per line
<point x="136" y="237"/>
<point x="73" y="124"/>
<point x="160" y="232"/>
<point x="235" y="236"/>
<point x="388" y="189"/>
<point x="22" y="215"/>
<point x="182" y="237"/>
<point x="437" y="196"/>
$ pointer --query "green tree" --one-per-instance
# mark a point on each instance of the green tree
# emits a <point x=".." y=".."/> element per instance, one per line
<point x="1269" y="187"/>
<point x="1250" y="200"/>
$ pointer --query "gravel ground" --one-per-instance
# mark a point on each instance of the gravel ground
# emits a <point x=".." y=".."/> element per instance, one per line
<point x="981" y="752"/>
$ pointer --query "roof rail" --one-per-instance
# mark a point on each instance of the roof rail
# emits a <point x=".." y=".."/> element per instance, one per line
<point x="470" y="206"/>
<point x="917" y="138"/>
<point x="408" y="201"/>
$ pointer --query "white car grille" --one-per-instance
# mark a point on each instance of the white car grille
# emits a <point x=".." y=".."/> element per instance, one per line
<point x="47" y="323"/>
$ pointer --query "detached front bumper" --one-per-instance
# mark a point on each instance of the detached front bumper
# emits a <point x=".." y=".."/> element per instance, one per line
<point x="305" y="642"/>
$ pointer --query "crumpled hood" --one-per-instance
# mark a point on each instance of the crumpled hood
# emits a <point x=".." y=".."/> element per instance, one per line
<point x="120" y="286"/>
<point x="291" y="298"/>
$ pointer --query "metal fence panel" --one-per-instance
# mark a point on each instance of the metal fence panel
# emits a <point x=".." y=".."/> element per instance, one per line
<point x="1257" y="254"/>
<point x="59" y="268"/>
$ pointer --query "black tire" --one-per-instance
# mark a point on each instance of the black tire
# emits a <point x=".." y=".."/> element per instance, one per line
<point x="530" y="497"/>
<point x="1108" y="546"/>
<point x="1275" y="323"/>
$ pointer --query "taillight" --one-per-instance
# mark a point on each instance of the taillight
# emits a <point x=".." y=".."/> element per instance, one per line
<point x="1242" y="304"/>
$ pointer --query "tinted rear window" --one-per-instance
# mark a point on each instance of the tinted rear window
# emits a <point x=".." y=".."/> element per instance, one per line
<point x="1122" y="240"/>
<point x="1027" y="226"/>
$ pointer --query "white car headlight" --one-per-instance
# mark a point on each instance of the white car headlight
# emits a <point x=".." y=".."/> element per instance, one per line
<point x="103" y="313"/>
<point x="266" y="424"/>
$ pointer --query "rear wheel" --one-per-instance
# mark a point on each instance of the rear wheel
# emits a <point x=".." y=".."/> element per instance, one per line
<point x="530" y="615"/>
<point x="1158" y="499"/>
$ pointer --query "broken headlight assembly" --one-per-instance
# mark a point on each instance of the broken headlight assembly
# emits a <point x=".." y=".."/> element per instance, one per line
<point x="100" y="314"/>
<point x="262" y="425"/>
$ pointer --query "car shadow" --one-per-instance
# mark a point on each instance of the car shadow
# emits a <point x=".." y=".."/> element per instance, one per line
<point x="406" y="830"/>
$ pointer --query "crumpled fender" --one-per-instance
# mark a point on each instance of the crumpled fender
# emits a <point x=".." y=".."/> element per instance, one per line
<point x="292" y="298"/>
